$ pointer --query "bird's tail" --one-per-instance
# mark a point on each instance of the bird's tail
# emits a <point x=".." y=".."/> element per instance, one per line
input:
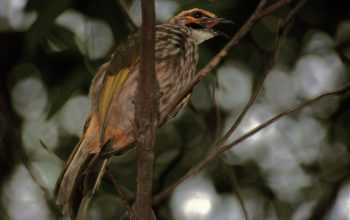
<point x="80" y="178"/>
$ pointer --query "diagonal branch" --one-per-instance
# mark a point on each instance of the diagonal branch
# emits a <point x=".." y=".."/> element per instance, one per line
<point x="259" y="13"/>
<point x="281" y="33"/>
<point x="121" y="193"/>
<point x="338" y="92"/>
<point x="222" y="148"/>
<point x="273" y="7"/>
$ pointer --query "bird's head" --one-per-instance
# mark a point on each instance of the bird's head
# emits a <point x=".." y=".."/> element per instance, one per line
<point x="200" y="22"/>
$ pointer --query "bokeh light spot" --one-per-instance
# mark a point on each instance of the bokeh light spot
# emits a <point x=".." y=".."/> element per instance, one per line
<point x="23" y="198"/>
<point x="74" y="113"/>
<point x="200" y="205"/>
<point x="29" y="98"/>
<point x="195" y="199"/>
<point x="234" y="86"/>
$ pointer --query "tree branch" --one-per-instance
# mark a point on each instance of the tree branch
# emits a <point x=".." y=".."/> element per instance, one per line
<point x="222" y="148"/>
<point x="218" y="149"/>
<point x="260" y="12"/>
<point x="121" y="193"/>
<point x="146" y="115"/>
<point x="281" y="33"/>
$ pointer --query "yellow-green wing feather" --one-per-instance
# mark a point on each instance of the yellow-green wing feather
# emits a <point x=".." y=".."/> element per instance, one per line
<point x="111" y="87"/>
<point x="115" y="76"/>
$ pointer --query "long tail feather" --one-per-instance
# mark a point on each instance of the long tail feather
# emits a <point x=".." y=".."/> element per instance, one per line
<point x="82" y="174"/>
<point x="67" y="192"/>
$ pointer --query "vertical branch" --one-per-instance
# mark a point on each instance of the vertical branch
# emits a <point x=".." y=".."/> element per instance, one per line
<point x="146" y="115"/>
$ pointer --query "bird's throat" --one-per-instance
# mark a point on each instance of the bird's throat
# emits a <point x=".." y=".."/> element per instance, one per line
<point x="202" y="35"/>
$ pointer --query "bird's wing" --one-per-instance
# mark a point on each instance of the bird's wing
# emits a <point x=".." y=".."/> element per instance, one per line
<point x="107" y="82"/>
<point x="111" y="77"/>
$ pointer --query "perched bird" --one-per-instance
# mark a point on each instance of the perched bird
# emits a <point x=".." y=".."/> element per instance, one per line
<point x="110" y="126"/>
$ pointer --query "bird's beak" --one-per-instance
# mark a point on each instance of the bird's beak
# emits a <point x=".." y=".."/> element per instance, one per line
<point x="225" y="21"/>
<point x="212" y="22"/>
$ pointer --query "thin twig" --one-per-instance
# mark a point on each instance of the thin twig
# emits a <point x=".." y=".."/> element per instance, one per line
<point x="259" y="13"/>
<point x="37" y="179"/>
<point x="273" y="7"/>
<point x="281" y="26"/>
<point x="122" y="195"/>
<point x="216" y="108"/>
<point x="237" y="190"/>
<point x="250" y="103"/>
<point x="222" y="148"/>
<point x="294" y="11"/>
<point x="339" y="92"/>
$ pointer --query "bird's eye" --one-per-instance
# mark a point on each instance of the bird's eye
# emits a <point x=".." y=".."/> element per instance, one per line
<point x="197" y="14"/>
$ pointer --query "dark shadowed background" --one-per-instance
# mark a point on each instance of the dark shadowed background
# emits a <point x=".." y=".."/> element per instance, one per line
<point x="296" y="169"/>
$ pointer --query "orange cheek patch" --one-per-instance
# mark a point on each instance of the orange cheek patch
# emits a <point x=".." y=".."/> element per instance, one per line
<point x="191" y="20"/>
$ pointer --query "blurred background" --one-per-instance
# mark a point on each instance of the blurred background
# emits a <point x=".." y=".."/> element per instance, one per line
<point x="296" y="169"/>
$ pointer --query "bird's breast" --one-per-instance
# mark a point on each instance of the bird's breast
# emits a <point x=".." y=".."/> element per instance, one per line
<point x="176" y="61"/>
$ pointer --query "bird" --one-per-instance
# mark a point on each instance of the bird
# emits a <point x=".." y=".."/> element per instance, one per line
<point x="109" y="128"/>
